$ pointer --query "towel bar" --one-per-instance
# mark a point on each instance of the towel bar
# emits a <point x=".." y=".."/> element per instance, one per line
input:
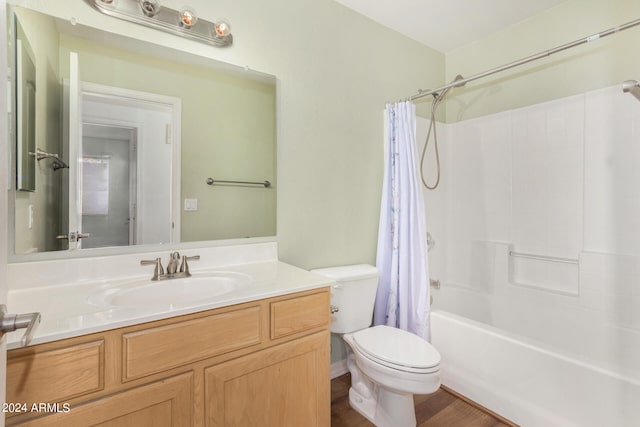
<point x="212" y="181"/>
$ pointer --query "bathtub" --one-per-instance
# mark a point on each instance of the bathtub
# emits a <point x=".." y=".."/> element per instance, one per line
<point x="526" y="381"/>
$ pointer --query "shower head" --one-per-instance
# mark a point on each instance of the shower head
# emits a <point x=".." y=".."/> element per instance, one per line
<point x="457" y="79"/>
<point x="439" y="96"/>
<point x="633" y="87"/>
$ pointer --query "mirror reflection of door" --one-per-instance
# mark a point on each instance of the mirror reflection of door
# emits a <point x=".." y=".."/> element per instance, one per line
<point x="73" y="130"/>
<point x="108" y="185"/>
<point x="119" y="191"/>
<point x="128" y="196"/>
<point x="137" y="195"/>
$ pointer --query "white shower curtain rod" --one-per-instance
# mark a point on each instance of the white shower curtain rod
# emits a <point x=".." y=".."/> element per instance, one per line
<point x="543" y="54"/>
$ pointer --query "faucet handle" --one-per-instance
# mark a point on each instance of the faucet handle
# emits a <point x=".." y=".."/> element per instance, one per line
<point x="184" y="268"/>
<point x="158" y="271"/>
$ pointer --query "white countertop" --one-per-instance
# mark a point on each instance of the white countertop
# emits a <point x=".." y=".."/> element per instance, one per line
<point x="67" y="311"/>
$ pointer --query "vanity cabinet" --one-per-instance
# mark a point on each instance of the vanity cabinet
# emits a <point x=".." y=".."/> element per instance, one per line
<point x="260" y="363"/>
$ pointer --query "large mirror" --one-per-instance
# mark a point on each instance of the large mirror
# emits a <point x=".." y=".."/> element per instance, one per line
<point x="128" y="137"/>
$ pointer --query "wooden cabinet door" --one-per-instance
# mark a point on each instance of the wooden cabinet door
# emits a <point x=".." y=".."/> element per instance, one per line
<point x="285" y="385"/>
<point x="55" y="375"/>
<point x="164" y="403"/>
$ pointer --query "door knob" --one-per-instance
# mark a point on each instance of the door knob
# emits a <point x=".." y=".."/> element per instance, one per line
<point x="11" y="322"/>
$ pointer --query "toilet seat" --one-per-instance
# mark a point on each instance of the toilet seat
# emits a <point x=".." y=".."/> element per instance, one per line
<point x="397" y="349"/>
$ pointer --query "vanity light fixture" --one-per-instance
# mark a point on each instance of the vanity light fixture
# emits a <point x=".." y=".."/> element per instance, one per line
<point x="184" y="22"/>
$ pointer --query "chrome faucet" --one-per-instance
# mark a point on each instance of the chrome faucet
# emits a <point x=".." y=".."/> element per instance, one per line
<point x="172" y="266"/>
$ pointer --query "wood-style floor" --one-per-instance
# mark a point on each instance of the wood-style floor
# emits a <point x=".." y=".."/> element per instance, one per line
<point x="439" y="409"/>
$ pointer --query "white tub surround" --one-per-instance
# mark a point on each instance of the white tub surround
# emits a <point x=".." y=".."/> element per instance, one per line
<point x="67" y="292"/>
<point x="538" y="247"/>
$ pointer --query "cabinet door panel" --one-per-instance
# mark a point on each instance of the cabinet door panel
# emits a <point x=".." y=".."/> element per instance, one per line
<point x="164" y="403"/>
<point x="286" y="385"/>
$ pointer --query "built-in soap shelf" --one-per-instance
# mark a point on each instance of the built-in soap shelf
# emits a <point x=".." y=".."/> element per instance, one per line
<point x="548" y="258"/>
<point x="544" y="272"/>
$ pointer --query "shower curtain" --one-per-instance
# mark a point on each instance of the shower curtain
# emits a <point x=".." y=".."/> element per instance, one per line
<point x="402" y="300"/>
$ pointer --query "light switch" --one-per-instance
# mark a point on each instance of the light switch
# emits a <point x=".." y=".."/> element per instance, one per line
<point x="190" y="204"/>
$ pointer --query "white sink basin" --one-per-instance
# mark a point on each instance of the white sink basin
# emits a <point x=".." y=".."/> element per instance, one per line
<point x="198" y="288"/>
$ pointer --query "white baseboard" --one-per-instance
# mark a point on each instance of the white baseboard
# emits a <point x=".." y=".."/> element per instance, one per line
<point x="339" y="368"/>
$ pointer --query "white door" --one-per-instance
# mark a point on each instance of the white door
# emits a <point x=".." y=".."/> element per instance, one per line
<point x="156" y="119"/>
<point x="75" y="154"/>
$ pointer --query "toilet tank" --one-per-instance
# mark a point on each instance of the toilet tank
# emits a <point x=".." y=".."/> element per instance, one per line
<point x="354" y="294"/>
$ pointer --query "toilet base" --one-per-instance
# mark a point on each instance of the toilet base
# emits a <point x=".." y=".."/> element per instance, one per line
<point x="382" y="405"/>
<point x="389" y="409"/>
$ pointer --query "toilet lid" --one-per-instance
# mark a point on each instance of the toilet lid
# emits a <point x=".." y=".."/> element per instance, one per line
<point x="396" y="348"/>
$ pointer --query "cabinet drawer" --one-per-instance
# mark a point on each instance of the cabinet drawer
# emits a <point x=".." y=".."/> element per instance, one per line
<point x="157" y="349"/>
<point x="299" y="314"/>
<point x="55" y="375"/>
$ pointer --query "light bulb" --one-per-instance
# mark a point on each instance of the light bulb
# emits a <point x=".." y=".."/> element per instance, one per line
<point x="150" y="7"/>
<point x="188" y="17"/>
<point x="221" y="28"/>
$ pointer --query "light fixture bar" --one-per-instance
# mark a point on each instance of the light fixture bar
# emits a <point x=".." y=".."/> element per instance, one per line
<point x="151" y="14"/>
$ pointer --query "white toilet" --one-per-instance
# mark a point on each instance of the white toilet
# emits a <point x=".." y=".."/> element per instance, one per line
<point x="388" y="365"/>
